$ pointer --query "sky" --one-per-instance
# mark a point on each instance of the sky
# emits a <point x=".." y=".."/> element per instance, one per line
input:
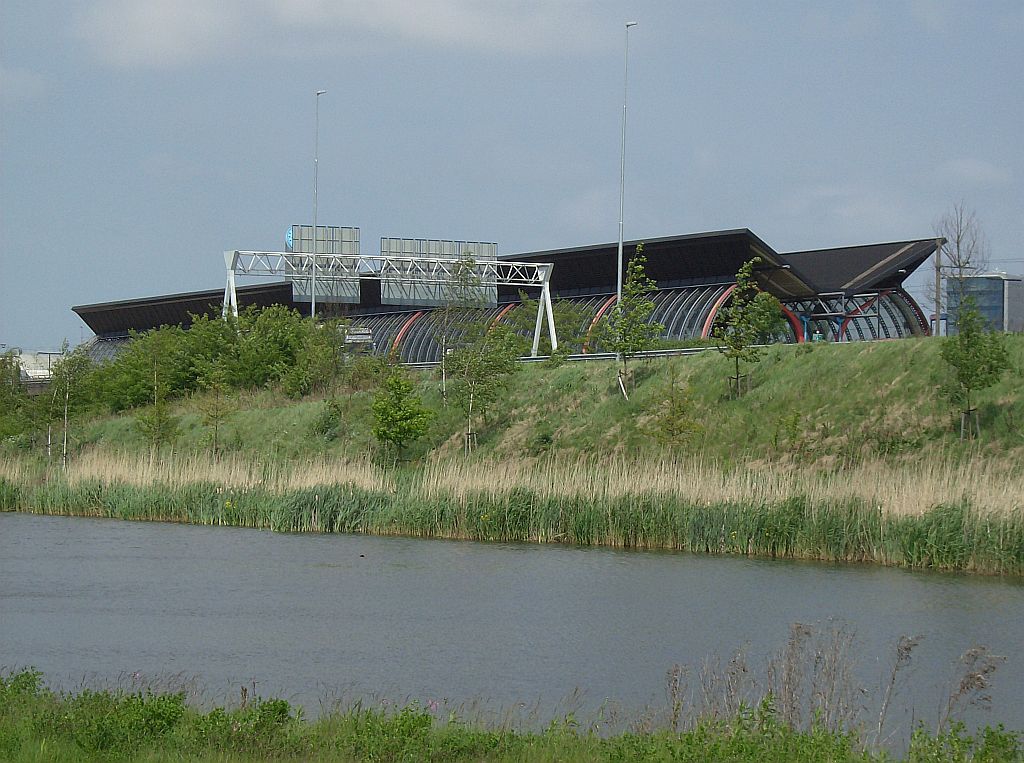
<point x="139" y="139"/>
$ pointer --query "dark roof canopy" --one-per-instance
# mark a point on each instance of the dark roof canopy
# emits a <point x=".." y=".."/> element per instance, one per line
<point x="117" y="318"/>
<point x="868" y="267"/>
<point x="695" y="258"/>
<point x="698" y="258"/>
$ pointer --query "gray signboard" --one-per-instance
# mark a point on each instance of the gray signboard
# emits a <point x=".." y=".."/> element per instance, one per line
<point x="330" y="239"/>
<point x="394" y="292"/>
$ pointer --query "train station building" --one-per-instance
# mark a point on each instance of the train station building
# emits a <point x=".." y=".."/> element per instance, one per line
<point x="851" y="293"/>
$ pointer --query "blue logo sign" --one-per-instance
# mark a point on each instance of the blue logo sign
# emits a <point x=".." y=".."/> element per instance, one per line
<point x="288" y="238"/>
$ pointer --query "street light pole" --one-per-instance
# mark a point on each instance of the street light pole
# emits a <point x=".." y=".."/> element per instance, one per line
<point x="316" y="168"/>
<point x="622" y="163"/>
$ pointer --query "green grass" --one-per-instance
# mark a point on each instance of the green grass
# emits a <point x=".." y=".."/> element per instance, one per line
<point x="824" y="403"/>
<point x="37" y="724"/>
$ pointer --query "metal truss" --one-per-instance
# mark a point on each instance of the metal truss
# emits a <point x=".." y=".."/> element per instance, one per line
<point x="395" y="269"/>
<point x="839" y="309"/>
<point x="841" y="305"/>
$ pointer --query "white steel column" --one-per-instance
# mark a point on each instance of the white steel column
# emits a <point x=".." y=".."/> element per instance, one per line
<point x="230" y="295"/>
<point x="551" y="316"/>
<point x="536" y="328"/>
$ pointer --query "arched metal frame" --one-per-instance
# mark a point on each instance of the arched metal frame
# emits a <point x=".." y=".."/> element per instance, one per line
<point x="686" y="313"/>
<point x="886" y="314"/>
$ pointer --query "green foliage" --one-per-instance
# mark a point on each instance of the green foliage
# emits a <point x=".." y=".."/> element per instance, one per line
<point x="217" y="404"/>
<point x="675" y="422"/>
<point x="37" y="724"/>
<point x="627" y="329"/>
<point x="319" y="363"/>
<point x="571" y="325"/>
<point x="269" y="342"/>
<point x="399" y="417"/>
<point x="366" y="372"/>
<point x="479" y="369"/>
<point x="15" y="405"/>
<point x="976" y="357"/>
<point x="155" y="365"/>
<point x="157" y="425"/>
<point x="263" y="347"/>
<point x="328" y="422"/>
<point x="750" y="317"/>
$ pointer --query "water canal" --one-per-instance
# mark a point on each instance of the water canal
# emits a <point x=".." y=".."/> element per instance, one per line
<point x="309" y="617"/>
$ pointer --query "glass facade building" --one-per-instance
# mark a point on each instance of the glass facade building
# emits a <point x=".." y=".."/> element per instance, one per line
<point x="997" y="296"/>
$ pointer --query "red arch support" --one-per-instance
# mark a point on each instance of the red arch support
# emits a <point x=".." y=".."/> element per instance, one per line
<point x="504" y="311"/>
<point x="855" y="313"/>
<point x="404" y="330"/>
<point x="600" y="312"/>
<point x="706" y="331"/>
<point x="798" y="328"/>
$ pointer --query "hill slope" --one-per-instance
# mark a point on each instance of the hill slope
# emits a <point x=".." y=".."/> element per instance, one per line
<point x="825" y="403"/>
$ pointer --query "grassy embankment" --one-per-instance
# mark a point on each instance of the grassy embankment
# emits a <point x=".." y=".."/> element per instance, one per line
<point x="37" y="724"/>
<point x="838" y="453"/>
<point x="824" y="404"/>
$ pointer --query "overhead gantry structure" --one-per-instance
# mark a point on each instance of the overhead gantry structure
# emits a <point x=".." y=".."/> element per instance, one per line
<point x="349" y="269"/>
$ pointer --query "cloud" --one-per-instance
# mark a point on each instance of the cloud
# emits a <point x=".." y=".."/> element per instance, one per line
<point x="839" y="23"/>
<point x="160" y="33"/>
<point x="850" y="211"/>
<point x="935" y="15"/>
<point x="975" y="172"/>
<point x="589" y="210"/>
<point x="19" y="84"/>
<point x="171" y="33"/>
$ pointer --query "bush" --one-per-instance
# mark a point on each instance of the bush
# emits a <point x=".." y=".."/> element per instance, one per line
<point x="328" y="422"/>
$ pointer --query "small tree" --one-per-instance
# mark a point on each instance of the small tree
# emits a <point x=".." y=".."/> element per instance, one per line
<point x="965" y="251"/>
<point x="399" y="416"/>
<point x="157" y="425"/>
<point x="461" y="298"/>
<point x="217" y="405"/>
<point x="14" y="401"/>
<point x="978" y="358"/>
<point x="479" y="368"/>
<point x="674" y="422"/>
<point x="627" y="329"/>
<point x="476" y="354"/>
<point x="750" y="316"/>
<point x="68" y="374"/>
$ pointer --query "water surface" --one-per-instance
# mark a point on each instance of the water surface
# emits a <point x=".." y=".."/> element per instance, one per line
<point x="307" y="616"/>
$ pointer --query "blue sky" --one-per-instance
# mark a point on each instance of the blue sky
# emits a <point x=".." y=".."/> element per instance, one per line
<point x="141" y="138"/>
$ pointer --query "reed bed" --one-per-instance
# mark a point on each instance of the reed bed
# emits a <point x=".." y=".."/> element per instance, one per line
<point x="229" y="472"/>
<point x="963" y="517"/>
<point x="895" y="490"/>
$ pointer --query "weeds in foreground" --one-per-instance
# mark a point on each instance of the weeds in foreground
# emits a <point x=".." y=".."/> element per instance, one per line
<point x="805" y="707"/>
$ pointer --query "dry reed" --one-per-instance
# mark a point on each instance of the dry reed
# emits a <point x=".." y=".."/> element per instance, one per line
<point x="896" y="490"/>
<point x="229" y="472"/>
